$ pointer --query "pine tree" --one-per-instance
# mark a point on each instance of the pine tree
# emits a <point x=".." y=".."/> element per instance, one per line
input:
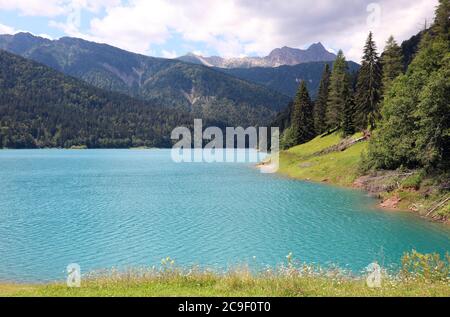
<point x="348" y="125"/>
<point x="320" y="106"/>
<point x="302" y="116"/>
<point x="441" y="25"/>
<point x="368" y="88"/>
<point x="337" y="92"/>
<point x="415" y="129"/>
<point x="392" y="63"/>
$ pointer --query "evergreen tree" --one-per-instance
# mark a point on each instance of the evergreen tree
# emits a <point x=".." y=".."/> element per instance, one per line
<point x="368" y="87"/>
<point x="415" y="129"/>
<point x="320" y="106"/>
<point x="302" y="116"/>
<point x="441" y="25"/>
<point x="337" y="92"/>
<point x="433" y="120"/>
<point x="392" y="63"/>
<point x="348" y="122"/>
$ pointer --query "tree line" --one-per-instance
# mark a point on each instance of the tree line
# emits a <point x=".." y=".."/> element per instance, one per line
<point x="42" y="108"/>
<point x="407" y="111"/>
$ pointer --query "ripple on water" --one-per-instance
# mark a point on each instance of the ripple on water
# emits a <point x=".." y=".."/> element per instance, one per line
<point x="118" y="208"/>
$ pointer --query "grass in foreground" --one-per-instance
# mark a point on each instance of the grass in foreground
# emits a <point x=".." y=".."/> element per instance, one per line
<point x="422" y="275"/>
<point x="227" y="286"/>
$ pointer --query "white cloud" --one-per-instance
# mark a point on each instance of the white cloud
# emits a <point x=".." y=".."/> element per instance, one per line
<point x="53" y="8"/>
<point x="4" y="29"/>
<point x="234" y="27"/>
<point x="169" y="54"/>
<point x="34" y="7"/>
<point x="137" y="26"/>
<point x="400" y="19"/>
<point x="45" y="36"/>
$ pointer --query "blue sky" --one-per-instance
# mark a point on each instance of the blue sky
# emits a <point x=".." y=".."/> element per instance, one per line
<point x="169" y="28"/>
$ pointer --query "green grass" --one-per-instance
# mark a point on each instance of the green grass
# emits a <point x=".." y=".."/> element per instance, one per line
<point x="412" y="182"/>
<point x="340" y="168"/>
<point x="236" y="284"/>
<point x="420" y="275"/>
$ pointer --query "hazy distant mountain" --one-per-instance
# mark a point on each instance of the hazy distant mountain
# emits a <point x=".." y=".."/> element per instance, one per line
<point x="286" y="79"/>
<point x="204" y="92"/>
<point x="278" y="57"/>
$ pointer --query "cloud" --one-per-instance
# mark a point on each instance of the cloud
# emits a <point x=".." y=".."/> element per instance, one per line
<point x="4" y="29"/>
<point x="34" y="7"/>
<point x="137" y="26"/>
<point x="53" y="8"/>
<point x="235" y="27"/>
<point x="169" y="54"/>
<point x="45" y="36"/>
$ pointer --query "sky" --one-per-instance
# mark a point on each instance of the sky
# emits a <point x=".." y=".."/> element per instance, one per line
<point x="228" y="28"/>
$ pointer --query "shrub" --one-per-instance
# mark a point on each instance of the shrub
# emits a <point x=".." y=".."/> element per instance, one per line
<point x="413" y="181"/>
<point x="287" y="139"/>
<point x="444" y="211"/>
<point x="425" y="267"/>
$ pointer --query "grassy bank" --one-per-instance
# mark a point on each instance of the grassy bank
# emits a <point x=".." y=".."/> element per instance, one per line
<point x="422" y="275"/>
<point x="337" y="167"/>
<point x="330" y="159"/>
<point x="233" y="286"/>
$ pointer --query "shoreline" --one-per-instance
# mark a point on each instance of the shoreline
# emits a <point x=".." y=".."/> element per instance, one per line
<point x="290" y="280"/>
<point x="382" y="204"/>
<point x="319" y="162"/>
<point x="388" y="201"/>
<point x="83" y="149"/>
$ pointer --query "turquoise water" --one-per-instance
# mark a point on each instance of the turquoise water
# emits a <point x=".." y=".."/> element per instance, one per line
<point x="124" y="208"/>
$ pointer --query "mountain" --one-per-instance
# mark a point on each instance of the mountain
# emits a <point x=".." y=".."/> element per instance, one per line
<point x="286" y="79"/>
<point x="40" y="108"/>
<point x="278" y="57"/>
<point x="204" y="92"/>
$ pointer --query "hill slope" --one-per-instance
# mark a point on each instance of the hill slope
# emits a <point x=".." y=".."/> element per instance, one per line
<point x="309" y="161"/>
<point x="166" y="83"/>
<point x="286" y="79"/>
<point x="40" y="107"/>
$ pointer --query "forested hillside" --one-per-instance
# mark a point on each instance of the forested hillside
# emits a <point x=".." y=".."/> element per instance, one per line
<point x="286" y="79"/>
<point x="40" y="107"/>
<point x="414" y="130"/>
<point x="394" y="123"/>
<point x="207" y="93"/>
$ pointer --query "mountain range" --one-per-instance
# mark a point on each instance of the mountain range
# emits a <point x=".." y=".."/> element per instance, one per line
<point x="286" y="79"/>
<point x="42" y="108"/>
<point x="278" y="57"/>
<point x="202" y="91"/>
<point x="72" y="92"/>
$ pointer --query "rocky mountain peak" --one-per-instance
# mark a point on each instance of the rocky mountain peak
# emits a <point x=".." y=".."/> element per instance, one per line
<point x="278" y="57"/>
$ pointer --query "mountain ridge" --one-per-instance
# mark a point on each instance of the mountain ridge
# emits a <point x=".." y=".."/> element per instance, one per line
<point x="203" y="91"/>
<point x="286" y="79"/>
<point x="285" y="56"/>
<point x="43" y="108"/>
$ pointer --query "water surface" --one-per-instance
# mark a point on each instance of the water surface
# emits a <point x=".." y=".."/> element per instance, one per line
<point x="126" y="208"/>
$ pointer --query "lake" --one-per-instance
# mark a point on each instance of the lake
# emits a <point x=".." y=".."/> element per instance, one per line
<point x="130" y="208"/>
